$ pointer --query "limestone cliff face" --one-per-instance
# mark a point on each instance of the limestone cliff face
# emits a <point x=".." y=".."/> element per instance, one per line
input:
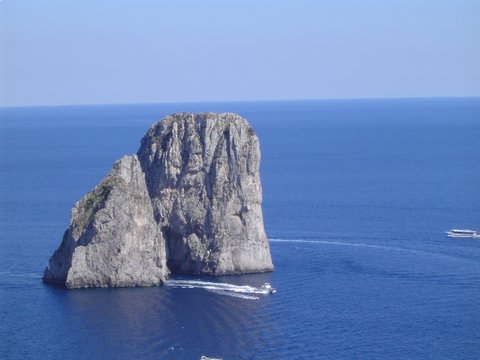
<point x="113" y="239"/>
<point x="202" y="173"/>
<point x="189" y="202"/>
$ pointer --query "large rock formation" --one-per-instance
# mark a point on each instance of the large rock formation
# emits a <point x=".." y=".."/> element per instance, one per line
<point x="189" y="202"/>
<point x="113" y="239"/>
<point x="202" y="176"/>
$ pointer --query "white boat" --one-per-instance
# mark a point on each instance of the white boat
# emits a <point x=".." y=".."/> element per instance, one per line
<point x="268" y="288"/>
<point x="462" y="233"/>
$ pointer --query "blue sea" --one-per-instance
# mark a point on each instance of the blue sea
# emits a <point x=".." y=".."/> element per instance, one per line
<point x="357" y="196"/>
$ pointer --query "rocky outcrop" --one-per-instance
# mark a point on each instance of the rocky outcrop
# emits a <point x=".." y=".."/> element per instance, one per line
<point x="202" y="173"/>
<point x="189" y="202"/>
<point x="113" y="239"/>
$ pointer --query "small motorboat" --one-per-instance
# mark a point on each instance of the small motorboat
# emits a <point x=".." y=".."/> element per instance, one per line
<point x="268" y="288"/>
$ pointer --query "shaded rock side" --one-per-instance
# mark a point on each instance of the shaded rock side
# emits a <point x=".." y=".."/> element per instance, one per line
<point x="113" y="239"/>
<point x="202" y="175"/>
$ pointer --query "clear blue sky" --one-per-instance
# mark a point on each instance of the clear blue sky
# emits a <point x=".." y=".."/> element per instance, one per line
<point x="84" y="52"/>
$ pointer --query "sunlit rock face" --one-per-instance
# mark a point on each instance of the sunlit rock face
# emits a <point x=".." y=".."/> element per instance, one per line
<point x="202" y="174"/>
<point x="189" y="202"/>
<point x="113" y="239"/>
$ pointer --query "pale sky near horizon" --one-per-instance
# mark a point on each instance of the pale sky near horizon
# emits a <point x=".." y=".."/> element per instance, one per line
<point x="146" y="51"/>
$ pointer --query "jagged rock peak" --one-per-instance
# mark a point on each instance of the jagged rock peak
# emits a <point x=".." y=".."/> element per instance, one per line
<point x="188" y="202"/>
<point x="202" y="174"/>
<point x="113" y="239"/>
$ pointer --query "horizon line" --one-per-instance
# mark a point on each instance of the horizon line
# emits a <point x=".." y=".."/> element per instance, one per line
<point x="242" y="101"/>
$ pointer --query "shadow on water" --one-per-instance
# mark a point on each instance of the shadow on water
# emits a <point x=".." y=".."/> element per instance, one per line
<point x="168" y="323"/>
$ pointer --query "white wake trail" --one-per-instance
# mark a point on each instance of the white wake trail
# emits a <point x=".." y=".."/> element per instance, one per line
<point x="339" y="243"/>
<point x="240" y="291"/>
<point x="416" y="252"/>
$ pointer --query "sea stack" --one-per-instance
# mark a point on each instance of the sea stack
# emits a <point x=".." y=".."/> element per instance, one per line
<point x="112" y="240"/>
<point x="189" y="202"/>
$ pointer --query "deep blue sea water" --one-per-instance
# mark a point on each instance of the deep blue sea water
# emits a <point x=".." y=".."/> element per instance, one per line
<point x="357" y="196"/>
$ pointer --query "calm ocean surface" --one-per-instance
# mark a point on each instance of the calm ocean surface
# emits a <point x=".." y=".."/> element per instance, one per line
<point x="357" y="196"/>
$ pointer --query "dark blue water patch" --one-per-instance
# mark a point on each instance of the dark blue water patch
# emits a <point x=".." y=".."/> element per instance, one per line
<point x="357" y="196"/>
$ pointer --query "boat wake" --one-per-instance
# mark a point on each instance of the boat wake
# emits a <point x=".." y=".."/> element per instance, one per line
<point x="338" y="243"/>
<point x="416" y="252"/>
<point x="239" y="291"/>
